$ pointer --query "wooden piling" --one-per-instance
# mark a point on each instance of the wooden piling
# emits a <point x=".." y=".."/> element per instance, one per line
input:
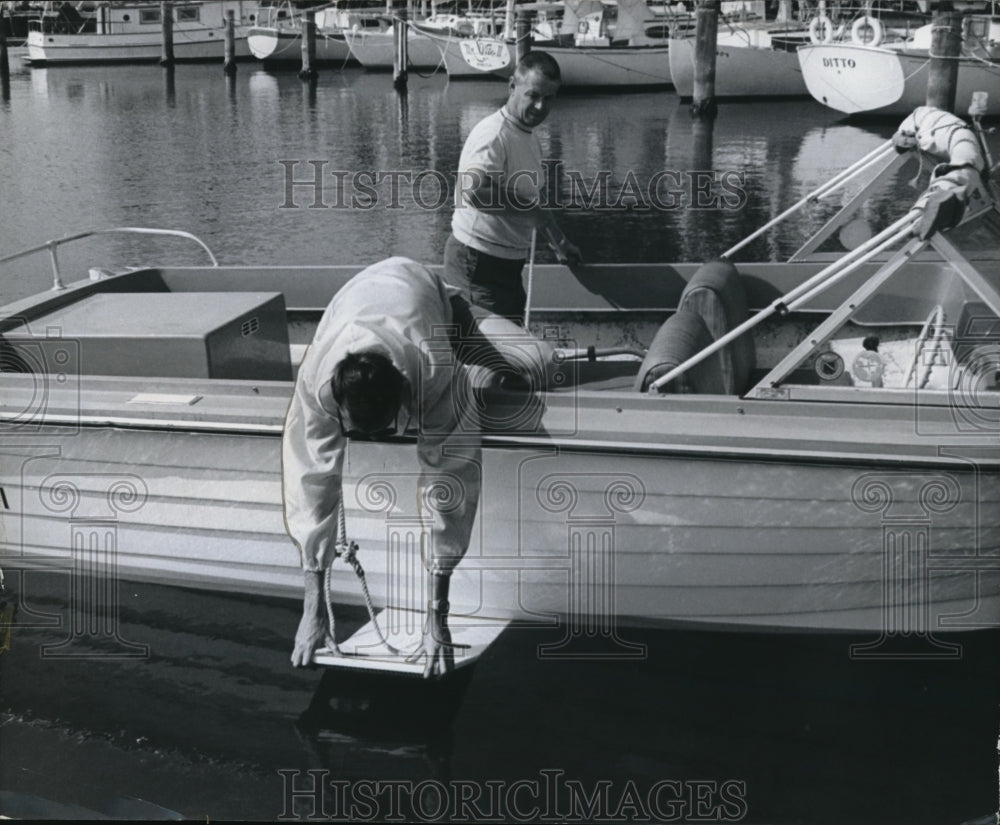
<point x="229" y="63"/>
<point x="308" y="70"/>
<point x="508" y="20"/>
<point x="4" y="57"/>
<point x="167" y="21"/>
<point x="401" y="56"/>
<point x="706" y="35"/>
<point x="946" y="46"/>
<point x="523" y="36"/>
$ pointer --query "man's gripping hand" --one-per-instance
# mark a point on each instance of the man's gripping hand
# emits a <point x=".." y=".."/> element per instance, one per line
<point x="313" y="632"/>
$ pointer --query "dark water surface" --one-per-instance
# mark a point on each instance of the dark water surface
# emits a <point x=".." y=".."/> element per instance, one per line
<point x="213" y="722"/>
<point x="714" y="727"/>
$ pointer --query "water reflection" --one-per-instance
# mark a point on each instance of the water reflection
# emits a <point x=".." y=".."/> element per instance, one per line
<point x="169" y="87"/>
<point x="405" y="725"/>
<point x="181" y="150"/>
<point x="790" y="727"/>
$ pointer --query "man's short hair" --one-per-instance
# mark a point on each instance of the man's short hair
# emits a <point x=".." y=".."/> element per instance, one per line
<point x="539" y="61"/>
<point x="369" y="388"/>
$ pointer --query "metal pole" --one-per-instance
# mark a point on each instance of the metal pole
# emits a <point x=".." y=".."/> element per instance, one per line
<point x="820" y="192"/>
<point x="946" y="46"/>
<point x="808" y="289"/>
<point x="167" y="19"/>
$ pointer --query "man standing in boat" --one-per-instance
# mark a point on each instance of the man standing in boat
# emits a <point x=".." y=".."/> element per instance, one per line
<point x="375" y="363"/>
<point x="499" y="201"/>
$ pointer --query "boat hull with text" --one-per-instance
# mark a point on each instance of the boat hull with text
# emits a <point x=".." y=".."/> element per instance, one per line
<point x="857" y="79"/>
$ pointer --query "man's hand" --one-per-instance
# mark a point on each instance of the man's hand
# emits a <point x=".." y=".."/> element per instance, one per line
<point x="437" y="645"/>
<point x="313" y="632"/>
<point x="568" y="253"/>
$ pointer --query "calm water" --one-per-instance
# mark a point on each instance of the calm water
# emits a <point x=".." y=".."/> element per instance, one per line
<point x="706" y="727"/>
<point x="91" y="147"/>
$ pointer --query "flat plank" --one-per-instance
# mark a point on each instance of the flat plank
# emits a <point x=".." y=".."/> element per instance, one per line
<point x="365" y="651"/>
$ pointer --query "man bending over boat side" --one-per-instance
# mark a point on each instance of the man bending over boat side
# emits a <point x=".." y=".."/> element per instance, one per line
<point x="371" y="364"/>
<point x="498" y="195"/>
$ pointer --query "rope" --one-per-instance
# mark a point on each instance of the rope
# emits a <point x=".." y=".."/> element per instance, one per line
<point x="349" y="552"/>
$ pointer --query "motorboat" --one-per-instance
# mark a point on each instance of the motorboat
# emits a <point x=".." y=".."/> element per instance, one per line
<point x="805" y="445"/>
<point x="132" y="32"/>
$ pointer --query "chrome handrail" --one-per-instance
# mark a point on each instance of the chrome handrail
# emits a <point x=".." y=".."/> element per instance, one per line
<point x="52" y="245"/>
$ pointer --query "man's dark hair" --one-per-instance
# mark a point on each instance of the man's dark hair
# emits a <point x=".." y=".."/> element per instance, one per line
<point x="542" y="62"/>
<point x="369" y="388"/>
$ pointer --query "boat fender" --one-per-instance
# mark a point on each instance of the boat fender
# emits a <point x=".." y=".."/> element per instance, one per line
<point x="942" y="134"/>
<point x="681" y="336"/>
<point x="867" y="31"/>
<point x="821" y="29"/>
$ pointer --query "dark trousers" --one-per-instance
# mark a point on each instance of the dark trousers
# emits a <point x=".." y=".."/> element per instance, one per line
<point x="492" y="283"/>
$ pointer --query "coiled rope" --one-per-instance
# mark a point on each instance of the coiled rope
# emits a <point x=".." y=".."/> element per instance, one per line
<point x="349" y="552"/>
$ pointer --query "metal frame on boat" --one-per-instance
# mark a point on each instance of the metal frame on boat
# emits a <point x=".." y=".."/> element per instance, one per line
<point x="828" y="461"/>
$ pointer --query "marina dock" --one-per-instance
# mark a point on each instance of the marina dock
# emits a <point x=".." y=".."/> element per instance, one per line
<point x="728" y="583"/>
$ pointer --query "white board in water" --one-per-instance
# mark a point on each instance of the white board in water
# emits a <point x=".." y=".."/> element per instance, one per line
<point x="404" y="631"/>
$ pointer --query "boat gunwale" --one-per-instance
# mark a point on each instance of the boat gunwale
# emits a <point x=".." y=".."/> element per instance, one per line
<point x="769" y="442"/>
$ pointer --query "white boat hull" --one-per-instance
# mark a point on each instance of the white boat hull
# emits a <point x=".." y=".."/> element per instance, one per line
<point x="854" y="79"/>
<point x="475" y="57"/>
<point x="626" y="66"/>
<point x="375" y="50"/>
<point x="724" y="539"/>
<point x="207" y="44"/>
<point x="276" y="45"/>
<point x="740" y="71"/>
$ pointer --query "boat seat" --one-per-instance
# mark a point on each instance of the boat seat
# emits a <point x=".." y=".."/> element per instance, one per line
<point x="717" y="294"/>
<point x="682" y="335"/>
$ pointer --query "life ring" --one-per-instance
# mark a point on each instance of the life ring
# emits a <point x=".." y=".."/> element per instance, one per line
<point x="858" y="33"/>
<point x="821" y="29"/>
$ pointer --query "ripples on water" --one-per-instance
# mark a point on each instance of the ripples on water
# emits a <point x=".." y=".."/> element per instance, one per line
<point x="86" y="147"/>
<point x="204" y="726"/>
